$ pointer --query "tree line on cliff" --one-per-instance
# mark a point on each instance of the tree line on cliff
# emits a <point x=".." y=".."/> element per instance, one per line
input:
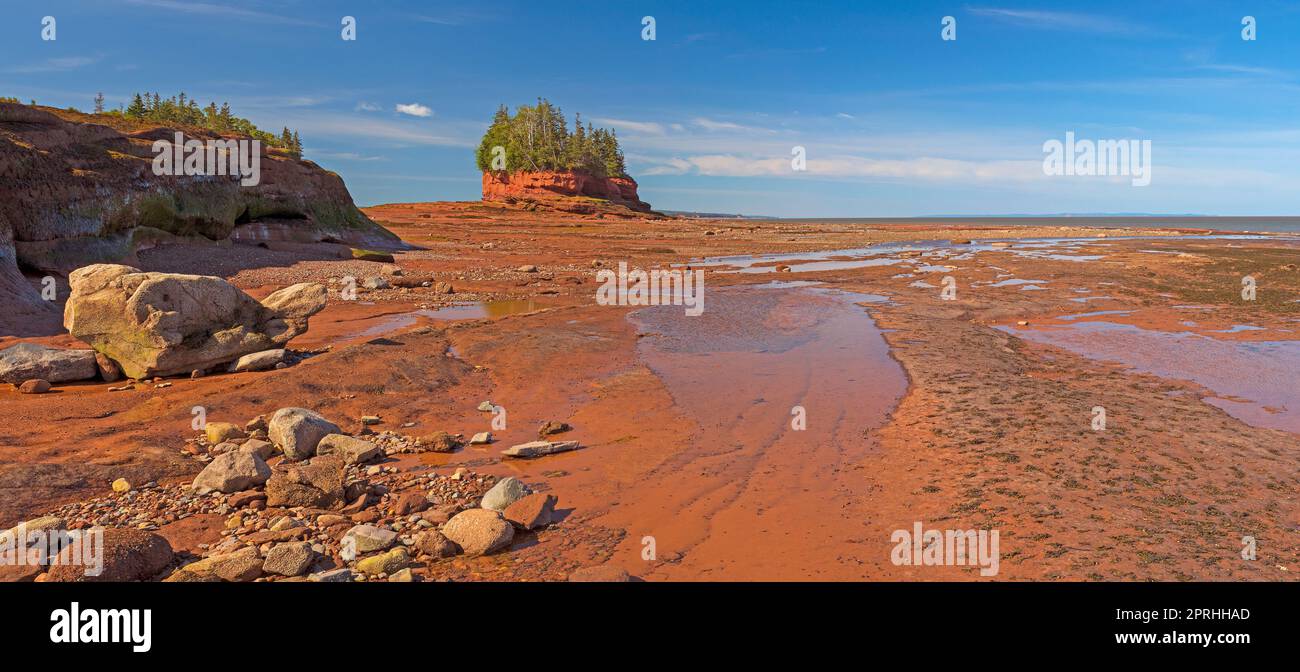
<point x="180" y="109"/>
<point x="537" y="138"/>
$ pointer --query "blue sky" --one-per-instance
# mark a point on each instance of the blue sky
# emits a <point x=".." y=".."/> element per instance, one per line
<point x="895" y="120"/>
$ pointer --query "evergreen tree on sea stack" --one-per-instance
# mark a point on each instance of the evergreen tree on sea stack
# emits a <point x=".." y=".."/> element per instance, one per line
<point x="537" y="138"/>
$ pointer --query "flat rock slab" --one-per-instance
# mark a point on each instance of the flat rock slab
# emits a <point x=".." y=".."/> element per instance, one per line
<point x="540" y="448"/>
<point x="28" y="361"/>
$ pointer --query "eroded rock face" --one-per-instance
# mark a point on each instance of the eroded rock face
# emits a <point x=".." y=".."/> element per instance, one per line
<point x="74" y="193"/>
<point x="161" y="324"/>
<point x="535" y="185"/>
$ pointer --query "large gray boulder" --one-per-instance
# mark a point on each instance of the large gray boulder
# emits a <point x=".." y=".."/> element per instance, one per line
<point x="235" y="471"/>
<point x="298" y="431"/>
<point x="160" y="324"/>
<point x="28" y="361"/>
<point x="352" y="450"/>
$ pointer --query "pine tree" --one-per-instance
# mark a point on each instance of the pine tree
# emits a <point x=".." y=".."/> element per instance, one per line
<point x="537" y="138"/>
<point x="137" y="108"/>
<point x="99" y="103"/>
<point x="297" y="145"/>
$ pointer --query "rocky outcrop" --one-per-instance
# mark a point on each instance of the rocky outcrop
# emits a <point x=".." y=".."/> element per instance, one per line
<point x="74" y="193"/>
<point x="160" y="324"/>
<point x="550" y="185"/>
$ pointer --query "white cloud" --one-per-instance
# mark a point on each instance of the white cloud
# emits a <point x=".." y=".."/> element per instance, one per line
<point x="414" y="110"/>
<point x="222" y="11"/>
<point x="341" y="156"/>
<point x="1061" y="21"/>
<point x="53" y="65"/>
<point x="711" y="125"/>
<point x="363" y="106"/>
<point x="370" y="128"/>
<point x="847" y="166"/>
<point x="628" y="125"/>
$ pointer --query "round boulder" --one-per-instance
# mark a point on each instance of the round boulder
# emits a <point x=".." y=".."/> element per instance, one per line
<point x="479" y="531"/>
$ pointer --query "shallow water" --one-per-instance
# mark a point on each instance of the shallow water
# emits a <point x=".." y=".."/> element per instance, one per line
<point x="887" y="254"/>
<point x="1255" y="380"/>
<point x="738" y="372"/>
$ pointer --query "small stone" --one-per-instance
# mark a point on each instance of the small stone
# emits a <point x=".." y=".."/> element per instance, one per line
<point x="486" y="407"/>
<point x="385" y="563"/>
<point x="257" y="424"/>
<point x="552" y="427"/>
<point x="402" y="576"/>
<point x="603" y="574"/>
<point x="330" y="520"/>
<point x="258" y="447"/>
<point x="370" y="420"/>
<point x="352" y="450"/>
<point x="410" y="502"/>
<point x="121" y="485"/>
<point x="435" y="545"/>
<point x="221" y="432"/>
<point x="507" y="491"/>
<point x="343" y="575"/>
<point x="479" y="531"/>
<point x="368" y="538"/>
<point x="532" y="511"/>
<point x="441" y="442"/>
<point x="376" y="283"/>
<point x="289" y="559"/>
<point x="34" y="386"/>
<point x="243" y="499"/>
<point x="258" y="361"/>
<point x="480" y="439"/>
<point x="284" y="523"/>
<point x="108" y="369"/>
<point x="244" y="564"/>
<point x="528" y="268"/>
<point x="540" y="448"/>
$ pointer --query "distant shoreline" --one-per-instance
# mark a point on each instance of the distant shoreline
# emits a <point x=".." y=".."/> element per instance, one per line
<point x="1206" y="223"/>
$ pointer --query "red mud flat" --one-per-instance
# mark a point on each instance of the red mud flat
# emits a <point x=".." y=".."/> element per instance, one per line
<point x="918" y="409"/>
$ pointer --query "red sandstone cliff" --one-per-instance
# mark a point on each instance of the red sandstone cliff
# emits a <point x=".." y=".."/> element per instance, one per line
<point x="75" y="191"/>
<point x="552" y="186"/>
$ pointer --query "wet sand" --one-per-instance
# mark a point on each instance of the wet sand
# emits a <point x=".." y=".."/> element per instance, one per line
<point x="918" y="408"/>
